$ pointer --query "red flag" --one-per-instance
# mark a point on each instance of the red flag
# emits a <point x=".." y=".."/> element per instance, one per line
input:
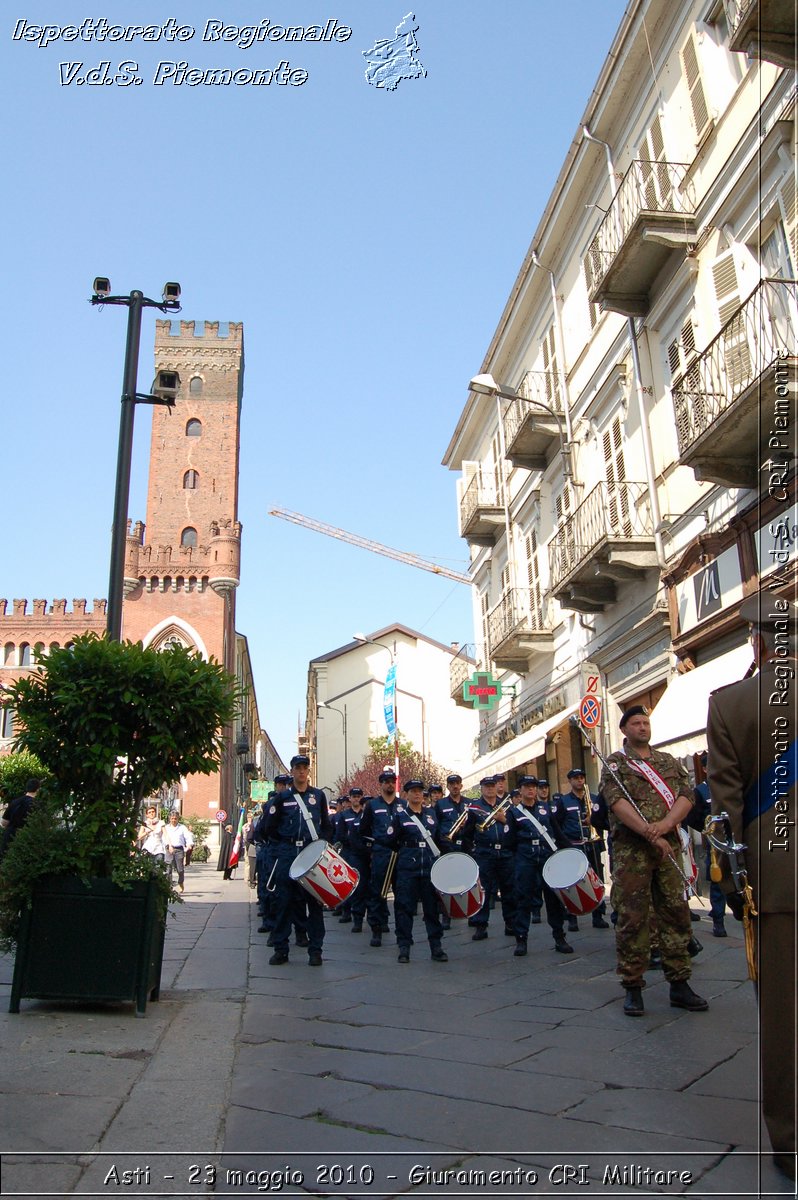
<point x="235" y="853"/>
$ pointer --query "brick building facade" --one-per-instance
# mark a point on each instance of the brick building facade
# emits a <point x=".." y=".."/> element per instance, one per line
<point x="182" y="565"/>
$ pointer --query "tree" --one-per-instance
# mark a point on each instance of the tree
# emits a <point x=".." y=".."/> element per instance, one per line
<point x="412" y="765"/>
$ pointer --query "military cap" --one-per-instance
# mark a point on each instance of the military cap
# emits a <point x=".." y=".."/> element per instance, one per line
<point x="637" y="710"/>
<point x="387" y="774"/>
<point x="300" y="760"/>
<point x="413" y="785"/>
<point x="454" y="778"/>
<point x="500" y="775"/>
<point x="528" y="781"/>
<point x="435" y="787"/>
<point x="487" y="781"/>
<point x="543" y="783"/>
<point x="282" y="779"/>
<point x="355" y="791"/>
<point x="575" y="772"/>
<point x="770" y="612"/>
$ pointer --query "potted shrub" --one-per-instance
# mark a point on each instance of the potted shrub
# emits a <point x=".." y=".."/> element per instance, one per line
<point x="111" y="722"/>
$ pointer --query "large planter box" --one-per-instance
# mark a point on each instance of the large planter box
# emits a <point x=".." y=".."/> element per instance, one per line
<point x="92" y="941"/>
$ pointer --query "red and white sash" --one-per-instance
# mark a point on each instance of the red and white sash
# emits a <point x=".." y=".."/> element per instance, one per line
<point x="641" y="767"/>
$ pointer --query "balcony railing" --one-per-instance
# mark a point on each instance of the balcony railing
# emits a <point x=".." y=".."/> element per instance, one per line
<point x="518" y="608"/>
<point x="761" y="333"/>
<point x="618" y="513"/>
<point x="481" y="498"/>
<point x="537" y="387"/>
<point x="460" y="668"/>
<point x="651" y="214"/>
<point x="764" y="29"/>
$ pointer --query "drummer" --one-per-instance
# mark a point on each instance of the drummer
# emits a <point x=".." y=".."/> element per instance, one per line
<point x="354" y="852"/>
<point x="376" y="830"/>
<point x="415" y="839"/>
<point x="486" y="827"/>
<point x="447" y="810"/>
<point x="534" y="836"/>
<point x="294" y="818"/>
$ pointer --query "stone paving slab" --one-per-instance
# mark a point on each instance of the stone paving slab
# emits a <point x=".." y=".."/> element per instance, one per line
<point x="724" y="1120"/>
<point x="622" y="1067"/>
<point x="737" y="1076"/>
<point x="295" y="1095"/>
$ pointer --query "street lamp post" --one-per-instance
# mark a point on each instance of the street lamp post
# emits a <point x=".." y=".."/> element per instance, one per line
<point x="486" y="385"/>
<point x="361" y="637"/>
<point x="166" y="386"/>
<point x="342" y="715"/>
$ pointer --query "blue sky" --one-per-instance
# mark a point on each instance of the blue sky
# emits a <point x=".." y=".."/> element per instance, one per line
<point x="367" y="239"/>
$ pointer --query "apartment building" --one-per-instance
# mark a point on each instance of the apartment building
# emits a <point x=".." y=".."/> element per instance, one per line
<point x="626" y="449"/>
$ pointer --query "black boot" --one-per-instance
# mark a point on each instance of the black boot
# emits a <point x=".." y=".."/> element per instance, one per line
<point x="694" y="947"/>
<point x="480" y="934"/>
<point x="376" y="936"/>
<point x="562" y="946"/>
<point x="633" y="1004"/>
<point x="520" y="947"/>
<point x="438" y="953"/>
<point x="683" y="996"/>
<point x="357" y="927"/>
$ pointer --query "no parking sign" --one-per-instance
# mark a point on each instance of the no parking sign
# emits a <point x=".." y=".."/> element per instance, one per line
<point x="590" y="711"/>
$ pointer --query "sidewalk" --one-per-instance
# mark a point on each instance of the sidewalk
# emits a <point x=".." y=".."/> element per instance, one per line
<point x="370" y="1078"/>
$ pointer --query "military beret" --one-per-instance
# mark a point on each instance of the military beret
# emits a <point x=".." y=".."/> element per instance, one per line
<point x="413" y="785"/>
<point x="574" y="772"/>
<point x="637" y="710"/>
<point x="300" y="760"/>
<point x="770" y="612"/>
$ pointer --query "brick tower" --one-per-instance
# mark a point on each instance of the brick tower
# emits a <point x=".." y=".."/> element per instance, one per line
<point x="180" y="579"/>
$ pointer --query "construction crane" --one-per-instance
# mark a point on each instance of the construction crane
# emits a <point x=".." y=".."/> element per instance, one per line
<point x="410" y="560"/>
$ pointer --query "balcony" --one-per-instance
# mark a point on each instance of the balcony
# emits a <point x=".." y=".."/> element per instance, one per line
<point x="481" y="510"/>
<point x="764" y="29"/>
<point x="530" y="434"/>
<point x="608" y="540"/>
<point x="652" y="215"/>
<point x="461" y="668"/>
<point x="517" y="631"/>
<point x="726" y="404"/>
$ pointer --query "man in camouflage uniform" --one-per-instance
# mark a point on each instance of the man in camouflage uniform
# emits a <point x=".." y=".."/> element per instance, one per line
<point x="642" y="872"/>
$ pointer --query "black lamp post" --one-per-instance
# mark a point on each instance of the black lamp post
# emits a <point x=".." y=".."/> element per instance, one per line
<point x="165" y="389"/>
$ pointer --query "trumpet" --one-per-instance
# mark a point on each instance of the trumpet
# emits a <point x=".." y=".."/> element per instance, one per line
<point x="458" y="824"/>
<point x="494" y="814"/>
<point x="593" y="834"/>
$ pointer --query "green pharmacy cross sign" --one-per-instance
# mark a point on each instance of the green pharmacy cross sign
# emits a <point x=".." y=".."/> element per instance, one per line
<point x="482" y="690"/>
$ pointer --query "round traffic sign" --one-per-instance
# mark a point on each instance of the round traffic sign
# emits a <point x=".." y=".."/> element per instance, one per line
<point x="221" y="815"/>
<point x="590" y="711"/>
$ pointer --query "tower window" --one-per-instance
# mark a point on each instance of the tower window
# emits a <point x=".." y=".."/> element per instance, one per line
<point x="194" y="428"/>
<point x="191" y="480"/>
<point x="24" y="655"/>
<point x="188" y="537"/>
<point x="195" y="386"/>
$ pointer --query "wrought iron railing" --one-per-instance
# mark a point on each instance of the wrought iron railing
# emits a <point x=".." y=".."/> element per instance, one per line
<point x="518" y="608"/>
<point x="484" y="491"/>
<point x="647" y="186"/>
<point x="737" y="11"/>
<point x="460" y="668"/>
<point x="537" y="387"/>
<point x="621" y="511"/>
<point x="761" y="331"/>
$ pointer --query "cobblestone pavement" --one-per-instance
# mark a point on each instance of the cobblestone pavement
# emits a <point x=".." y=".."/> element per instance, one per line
<point x="488" y="1075"/>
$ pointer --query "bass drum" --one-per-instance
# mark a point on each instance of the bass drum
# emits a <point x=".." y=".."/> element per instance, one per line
<point x="455" y="878"/>
<point x="322" y="872"/>
<point x="570" y="875"/>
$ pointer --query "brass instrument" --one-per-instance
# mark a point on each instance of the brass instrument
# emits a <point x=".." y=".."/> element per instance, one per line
<point x="386" y="883"/>
<point x="494" y="814"/>
<point x="458" y="824"/>
<point x="593" y="834"/>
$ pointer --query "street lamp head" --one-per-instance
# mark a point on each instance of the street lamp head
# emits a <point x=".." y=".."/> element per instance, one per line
<point x="171" y="293"/>
<point x="359" y="637"/>
<point x="484" y="385"/>
<point x="102" y="286"/>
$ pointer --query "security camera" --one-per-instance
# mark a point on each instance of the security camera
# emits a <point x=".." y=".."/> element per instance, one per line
<point x="171" y="292"/>
<point x="166" y="385"/>
<point x="102" y="286"/>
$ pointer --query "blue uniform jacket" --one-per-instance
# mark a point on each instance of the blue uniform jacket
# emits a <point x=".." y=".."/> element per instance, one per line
<point x="525" y="839"/>
<point x="491" y="840"/>
<point x="285" y="823"/>
<point x="414" y="853"/>
<point x="379" y="818"/>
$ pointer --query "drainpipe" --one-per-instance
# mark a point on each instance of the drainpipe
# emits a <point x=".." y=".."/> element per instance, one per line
<point x="560" y="345"/>
<point x="648" y="453"/>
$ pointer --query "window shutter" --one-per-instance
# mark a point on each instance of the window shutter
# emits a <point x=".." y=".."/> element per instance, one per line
<point x="737" y="358"/>
<point x="695" y="87"/>
<point x="533" y="579"/>
<point x="550" y="367"/>
<point x="788" y="207"/>
<point x="617" y="493"/>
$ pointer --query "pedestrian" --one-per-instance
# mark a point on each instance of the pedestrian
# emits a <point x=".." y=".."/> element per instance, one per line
<point x="752" y="728"/>
<point x="646" y="849"/>
<point x="415" y="841"/>
<point x="227" y="838"/>
<point x="376" y="830"/>
<point x="150" y="835"/>
<point x="354" y="852"/>
<point x="17" y="813"/>
<point x="295" y="818"/>
<point x="534" y="836"/>
<point x="581" y="820"/>
<point x="486" y="828"/>
<point x="176" y="840"/>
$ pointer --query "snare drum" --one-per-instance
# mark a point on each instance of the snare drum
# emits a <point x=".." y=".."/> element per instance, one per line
<point x="455" y="878"/>
<point x="323" y="873"/>
<point x="570" y="875"/>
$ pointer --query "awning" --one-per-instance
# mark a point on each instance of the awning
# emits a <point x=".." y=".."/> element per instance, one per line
<point x="679" y="722"/>
<point x="520" y="750"/>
